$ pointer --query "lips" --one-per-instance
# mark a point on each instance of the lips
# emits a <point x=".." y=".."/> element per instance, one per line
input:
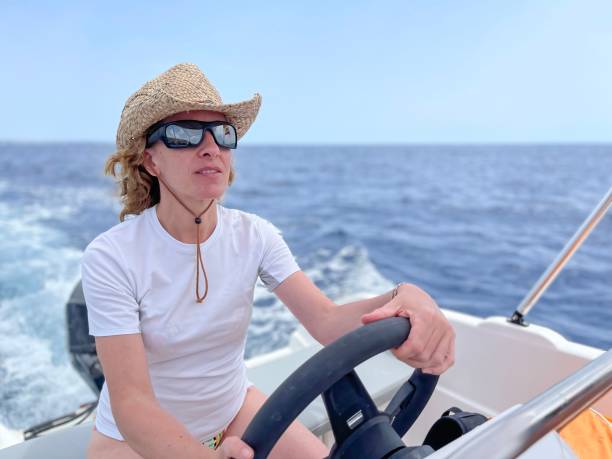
<point x="208" y="170"/>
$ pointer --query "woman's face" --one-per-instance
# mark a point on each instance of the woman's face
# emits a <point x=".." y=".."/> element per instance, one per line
<point x="200" y="172"/>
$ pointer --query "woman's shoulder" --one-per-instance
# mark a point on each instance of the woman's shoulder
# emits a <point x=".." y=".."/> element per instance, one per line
<point x="241" y="218"/>
<point x="240" y="221"/>
<point x="125" y="232"/>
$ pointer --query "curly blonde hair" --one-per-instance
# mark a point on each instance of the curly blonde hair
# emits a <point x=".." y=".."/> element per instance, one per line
<point x="138" y="189"/>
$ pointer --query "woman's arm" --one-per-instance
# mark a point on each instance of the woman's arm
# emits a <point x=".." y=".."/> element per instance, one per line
<point x="148" y="429"/>
<point x="323" y="319"/>
<point x="430" y="345"/>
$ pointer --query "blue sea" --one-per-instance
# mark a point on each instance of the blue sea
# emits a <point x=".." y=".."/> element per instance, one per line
<point x="473" y="225"/>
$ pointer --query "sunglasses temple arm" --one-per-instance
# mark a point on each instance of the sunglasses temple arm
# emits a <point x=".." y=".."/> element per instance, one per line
<point x="154" y="136"/>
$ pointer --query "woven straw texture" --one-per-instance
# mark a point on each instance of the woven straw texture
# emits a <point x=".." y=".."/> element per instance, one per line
<point x="181" y="88"/>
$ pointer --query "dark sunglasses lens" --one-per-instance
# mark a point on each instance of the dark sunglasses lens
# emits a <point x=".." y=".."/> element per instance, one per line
<point x="225" y="135"/>
<point x="179" y="136"/>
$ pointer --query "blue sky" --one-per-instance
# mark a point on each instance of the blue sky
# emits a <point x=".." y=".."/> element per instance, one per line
<point x="329" y="72"/>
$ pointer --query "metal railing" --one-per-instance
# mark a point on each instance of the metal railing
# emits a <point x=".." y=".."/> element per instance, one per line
<point x="513" y="434"/>
<point x="557" y="265"/>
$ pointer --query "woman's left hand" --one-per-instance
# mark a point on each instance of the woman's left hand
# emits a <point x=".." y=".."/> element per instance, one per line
<point x="431" y="344"/>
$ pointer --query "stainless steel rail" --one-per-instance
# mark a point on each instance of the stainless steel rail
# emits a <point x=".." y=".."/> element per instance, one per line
<point x="557" y="265"/>
<point x="518" y="430"/>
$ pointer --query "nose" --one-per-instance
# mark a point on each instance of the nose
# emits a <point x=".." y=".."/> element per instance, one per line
<point x="208" y="146"/>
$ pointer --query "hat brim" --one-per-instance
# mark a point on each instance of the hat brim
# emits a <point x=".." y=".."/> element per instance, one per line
<point x="240" y="114"/>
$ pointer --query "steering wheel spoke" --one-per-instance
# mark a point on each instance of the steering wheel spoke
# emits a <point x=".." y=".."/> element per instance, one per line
<point x="348" y="405"/>
<point x="408" y="402"/>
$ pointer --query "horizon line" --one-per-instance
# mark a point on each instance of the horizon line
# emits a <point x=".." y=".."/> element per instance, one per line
<point x="350" y="144"/>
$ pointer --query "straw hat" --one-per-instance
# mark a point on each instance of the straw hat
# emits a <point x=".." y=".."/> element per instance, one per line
<point x="181" y="88"/>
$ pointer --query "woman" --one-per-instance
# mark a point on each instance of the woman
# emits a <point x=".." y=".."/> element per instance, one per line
<point x="169" y="291"/>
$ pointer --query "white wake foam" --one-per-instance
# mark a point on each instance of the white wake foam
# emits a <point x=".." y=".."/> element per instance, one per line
<point x="37" y="274"/>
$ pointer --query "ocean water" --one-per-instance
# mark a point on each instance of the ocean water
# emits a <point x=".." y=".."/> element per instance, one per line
<point x="473" y="225"/>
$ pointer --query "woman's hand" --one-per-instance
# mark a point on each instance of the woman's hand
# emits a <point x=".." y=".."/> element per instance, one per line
<point x="431" y="344"/>
<point x="234" y="447"/>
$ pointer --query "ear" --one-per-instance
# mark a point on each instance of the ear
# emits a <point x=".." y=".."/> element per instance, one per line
<point x="149" y="163"/>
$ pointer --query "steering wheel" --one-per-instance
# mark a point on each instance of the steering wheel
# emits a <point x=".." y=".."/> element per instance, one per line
<point x="359" y="428"/>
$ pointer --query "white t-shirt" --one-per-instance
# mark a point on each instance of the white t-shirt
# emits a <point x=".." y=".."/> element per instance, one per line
<point x="138" y="279"/>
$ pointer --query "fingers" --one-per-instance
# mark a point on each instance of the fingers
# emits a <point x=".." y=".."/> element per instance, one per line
<point x="388" y="310"/>
<point x="234" y="447"/>
<point x="443" y="357"/>
<point x="430" y="345"/>
<point x="418" y="349"/>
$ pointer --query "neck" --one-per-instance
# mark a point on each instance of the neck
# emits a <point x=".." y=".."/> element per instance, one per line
<point x="180" y="224"/>
<point x="178" y="219"/>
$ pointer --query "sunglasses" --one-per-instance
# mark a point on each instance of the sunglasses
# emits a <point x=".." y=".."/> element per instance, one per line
<point x="191" y="133"/>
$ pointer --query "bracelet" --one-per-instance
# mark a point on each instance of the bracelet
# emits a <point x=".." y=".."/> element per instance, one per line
<point x="396" y="290"/>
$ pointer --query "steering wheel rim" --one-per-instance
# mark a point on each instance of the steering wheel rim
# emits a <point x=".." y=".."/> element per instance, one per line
<point x="324" y="369"/>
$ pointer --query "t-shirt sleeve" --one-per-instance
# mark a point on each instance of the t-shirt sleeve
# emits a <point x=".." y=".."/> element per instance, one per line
<point x="111" y="303"/>
<point x="277" y="262"/>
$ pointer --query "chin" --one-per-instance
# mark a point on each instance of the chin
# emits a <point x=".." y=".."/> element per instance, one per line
<point x="210" y="193"/>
